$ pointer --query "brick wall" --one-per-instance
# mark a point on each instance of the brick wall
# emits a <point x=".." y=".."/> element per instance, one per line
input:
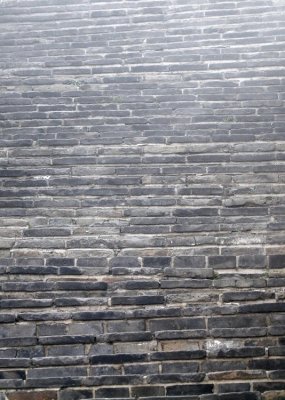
<point x="142" y="247"/>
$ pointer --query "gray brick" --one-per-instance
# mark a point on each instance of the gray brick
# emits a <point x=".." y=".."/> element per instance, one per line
<point x="277" y="261"/>
<point x="222" y="262"/>
<point x="137" y="300"/>
<point x="156" y="262"/>
<point x="126" y="326"/>
<point x="57" y="372"/>
<point x="127" y="262"/>
<point x="181" y="390"/>
<point x="189" y="262"/>
<point x="176" y="324"/>
<point x="236" y="322"/>
<point x="67" y="394"/>
<point x="181" y="367"/>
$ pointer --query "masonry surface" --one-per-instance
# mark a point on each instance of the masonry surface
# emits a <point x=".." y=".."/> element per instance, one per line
<point x="142" y="207"/>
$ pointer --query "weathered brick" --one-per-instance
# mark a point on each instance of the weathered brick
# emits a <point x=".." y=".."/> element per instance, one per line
<point x="277" y="261"/>
<point x="128" y="337"/>
<point x="240" y="352"/>
<point x="181" y="390"/>
<point x="112" y="392"/>
<point x="178" y="355"/>
<point x="247" y="296"/>
<point x="181" y="378"/>
<point x="176" y="324"/>
<point x="137" y="300"/>
<point x="147" y="391"/>
<point x="249" y="261"/>
<point x="67" y="394"/>
<point x="236" y="322"/>
<point x="180" y="367"/>
<point x="66" y="339"/>
<point x="118" y="358"/>
<point x="137" y="325"/>
<point x="34" y="395"/>
<point x="156" y="262"/>
<point x="98" y="315"/>
<point x="222" y="262"/>
<point x="189" y="262"/>
<point x="233" y="387"/>
<point x="56" y="372"/>
<point x="273" y="364"/>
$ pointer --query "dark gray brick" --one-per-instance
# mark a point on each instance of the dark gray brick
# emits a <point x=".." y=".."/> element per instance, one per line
<point x="177" y="324"/>
<point x="277" y="261"/>
<point x="178" y="355"/>
<point x="189" y="262"/>
<point x="67" y="394"/>
<point x="137" y="300"/>
<point x="118" y="358"/>
<point x="238" y="321"/>
<point x="181" y="390"/>
<point x="156" y="262"/>
<point x="222" y="262"/>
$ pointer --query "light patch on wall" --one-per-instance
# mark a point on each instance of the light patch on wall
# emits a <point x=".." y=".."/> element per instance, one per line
<point x="279" y="2"/>
<point x="39" y="177"/>
<point x="213" y="345"/>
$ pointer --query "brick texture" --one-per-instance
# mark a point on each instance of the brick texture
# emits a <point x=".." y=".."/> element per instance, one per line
<point x="142" y="199"/>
